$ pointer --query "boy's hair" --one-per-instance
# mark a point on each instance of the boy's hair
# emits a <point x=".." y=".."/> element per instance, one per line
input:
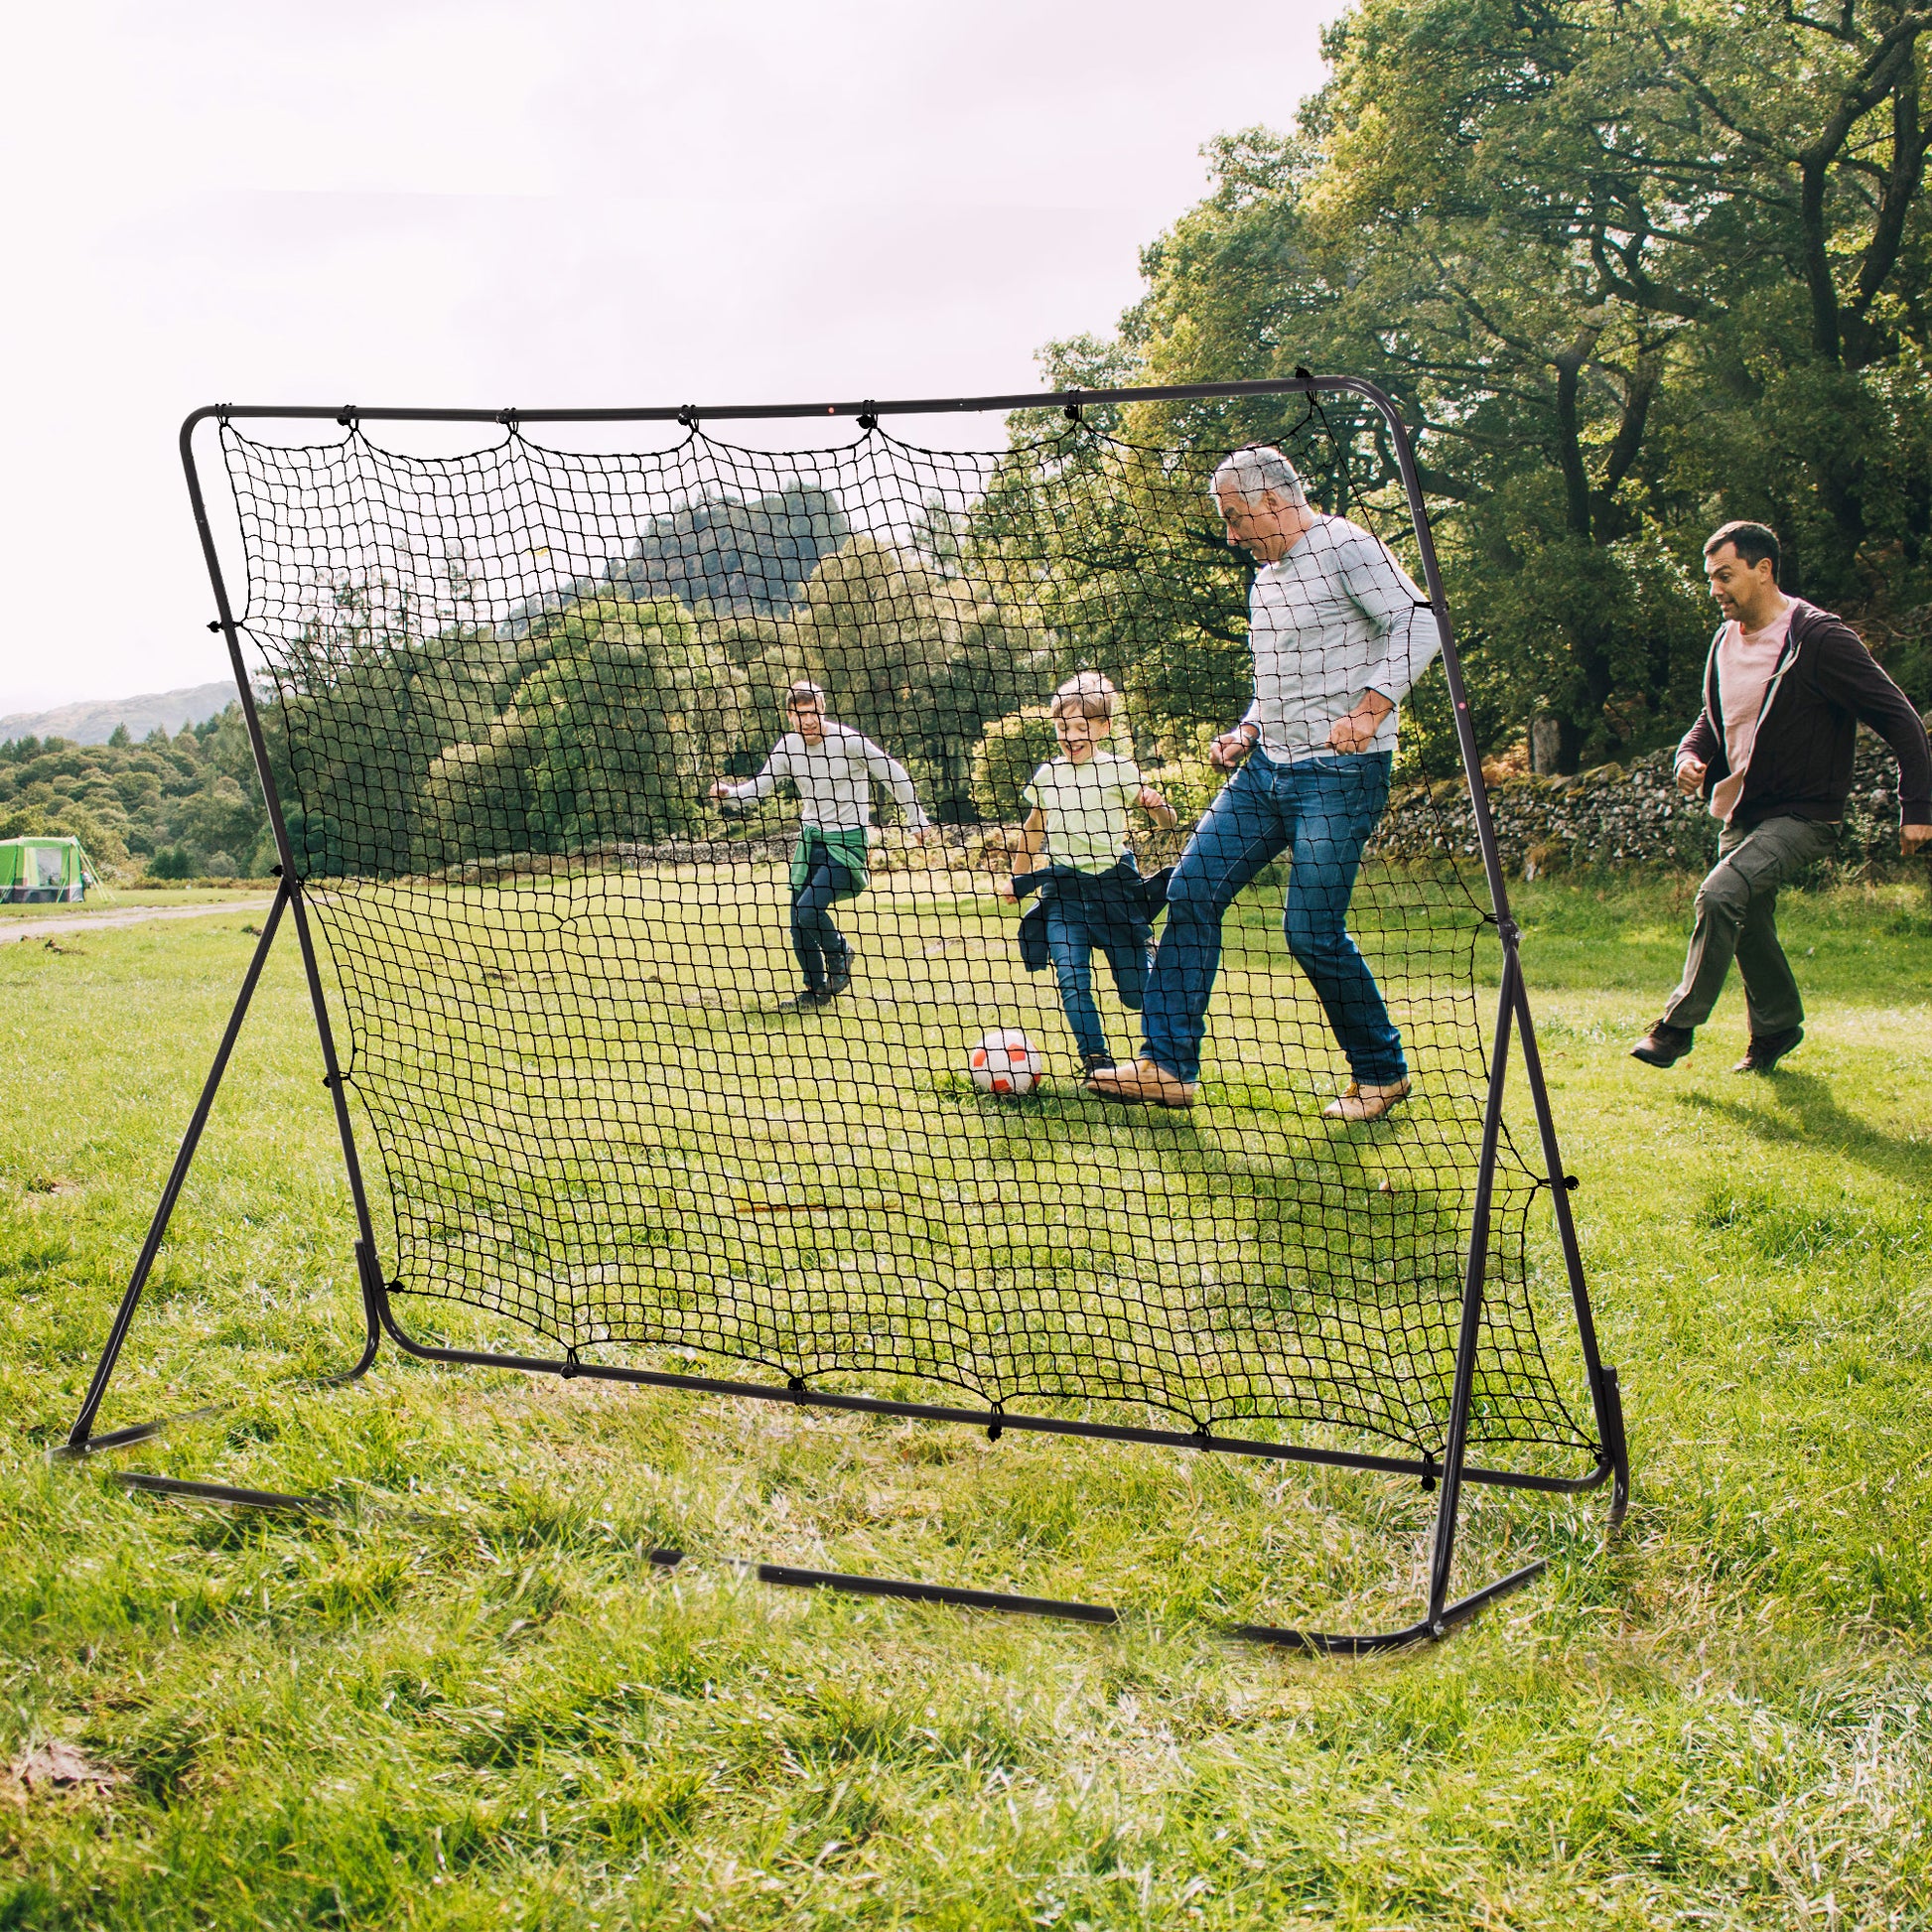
<point x="1089" y="694"/>
<point x="805" y="692"/>
<point x="1255" y="471"/>
<point x="1753" y="542"/>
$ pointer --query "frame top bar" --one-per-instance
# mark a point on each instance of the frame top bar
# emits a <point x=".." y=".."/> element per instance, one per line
<point x="348" y="414"/>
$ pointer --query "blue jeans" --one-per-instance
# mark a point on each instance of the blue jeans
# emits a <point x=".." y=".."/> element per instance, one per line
<point x="817" y="942"/>
<point x="1320" y="811"/>
<point x="1069" y="944"/>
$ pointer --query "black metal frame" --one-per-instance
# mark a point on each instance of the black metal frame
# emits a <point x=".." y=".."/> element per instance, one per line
<point x="1450" y="1473"/>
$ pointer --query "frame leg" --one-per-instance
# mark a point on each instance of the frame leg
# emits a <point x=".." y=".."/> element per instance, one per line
<point x="81" y="1440"/>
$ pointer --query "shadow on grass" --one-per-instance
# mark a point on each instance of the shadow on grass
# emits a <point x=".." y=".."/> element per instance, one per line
<point x="1811" y="1118"/>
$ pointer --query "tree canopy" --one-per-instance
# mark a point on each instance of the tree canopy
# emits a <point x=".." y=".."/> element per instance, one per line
<point x="1629" y="268"/>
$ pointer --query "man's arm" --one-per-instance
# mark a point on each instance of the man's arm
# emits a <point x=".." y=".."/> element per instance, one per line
<point x="1406" y="626"/>
<point x="776" y="766"/>
<point x="888" y="770"/>
<point x="1848" y="674"/>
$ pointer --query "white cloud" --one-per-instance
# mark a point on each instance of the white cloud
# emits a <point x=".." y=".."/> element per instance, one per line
<point x="544" y="203"/>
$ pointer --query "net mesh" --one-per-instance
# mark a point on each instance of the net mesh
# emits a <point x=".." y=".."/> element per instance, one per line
<point x="503" y="691"/>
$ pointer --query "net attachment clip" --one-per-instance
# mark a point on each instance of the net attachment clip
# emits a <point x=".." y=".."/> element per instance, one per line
<point x="868" y="415"/>
<point x="215" y="623"/>
<point x="349" y="417"/>
<point x="1070" y="409"/>
<point x="1431" y="1470"/>
<point x="571" y="1365"/>
<point x="688" y="415"/>
<point x="511" y="419"/>
<point x="797" y="1383"/>
<point x="997" y="1426"/>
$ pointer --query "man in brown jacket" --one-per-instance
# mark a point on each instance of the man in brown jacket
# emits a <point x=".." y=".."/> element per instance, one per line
<point x="1785" y="689"/>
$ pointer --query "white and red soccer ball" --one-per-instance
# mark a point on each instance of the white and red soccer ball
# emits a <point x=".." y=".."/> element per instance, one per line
<point x="1006" y="1063"/>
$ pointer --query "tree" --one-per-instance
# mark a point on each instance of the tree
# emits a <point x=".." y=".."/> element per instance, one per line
<point x="1628" y="267"/>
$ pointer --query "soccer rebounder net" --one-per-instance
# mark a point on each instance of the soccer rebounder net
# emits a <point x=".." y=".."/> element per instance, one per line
<point x="1008" y="931"/>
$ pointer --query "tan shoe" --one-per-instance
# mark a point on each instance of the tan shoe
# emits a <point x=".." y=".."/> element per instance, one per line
<point x="1366" y="1103"/>
<point x="1142" y="1083"/>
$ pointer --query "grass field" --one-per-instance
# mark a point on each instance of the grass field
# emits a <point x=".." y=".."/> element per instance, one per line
<point x="469" y="1703"/>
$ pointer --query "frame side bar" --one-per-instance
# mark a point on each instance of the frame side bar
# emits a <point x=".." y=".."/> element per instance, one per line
<point x="83" y="1422"/>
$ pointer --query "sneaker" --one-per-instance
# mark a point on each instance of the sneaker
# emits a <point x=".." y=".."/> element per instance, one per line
<point x="838" y="974"/>
<point x="1768" y="1050"/>
<point x="1366" y="1103"/>
<point x="1140" y="1083"/>
<point x="1663" y="1045"/>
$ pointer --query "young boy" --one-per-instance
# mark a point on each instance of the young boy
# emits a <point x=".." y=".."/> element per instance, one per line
<point x="1091" y="892"/>
<point x="832" y="769"/>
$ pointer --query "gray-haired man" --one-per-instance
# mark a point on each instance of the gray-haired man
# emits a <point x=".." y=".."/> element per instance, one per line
<point x="1339" y="633"/>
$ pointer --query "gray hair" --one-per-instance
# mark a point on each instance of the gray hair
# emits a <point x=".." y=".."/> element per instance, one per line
<point x="1259" y="470"/>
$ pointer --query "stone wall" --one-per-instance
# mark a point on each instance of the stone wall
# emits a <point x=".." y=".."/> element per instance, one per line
<point x="1619" y="815"/>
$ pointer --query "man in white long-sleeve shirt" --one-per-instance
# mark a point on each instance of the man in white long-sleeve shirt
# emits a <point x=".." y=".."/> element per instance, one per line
<point x="833" y="770"/>
<point x="1339" y="633"/>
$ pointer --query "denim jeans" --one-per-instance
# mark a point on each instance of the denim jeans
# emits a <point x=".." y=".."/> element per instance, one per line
<point x="817" y="942"/>
<point x="1070" y="941"/>
<point x="1320" y="811"/>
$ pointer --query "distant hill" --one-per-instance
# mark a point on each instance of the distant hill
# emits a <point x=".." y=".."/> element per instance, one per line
<point x="93" y="720"/>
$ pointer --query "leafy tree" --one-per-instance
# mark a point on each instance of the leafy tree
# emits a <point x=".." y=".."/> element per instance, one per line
<point x="1628" y="267"/>
<point x="612" y="738"/>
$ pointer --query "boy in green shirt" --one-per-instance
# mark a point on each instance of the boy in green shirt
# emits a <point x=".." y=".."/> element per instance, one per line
<point x="1091" y="891"/>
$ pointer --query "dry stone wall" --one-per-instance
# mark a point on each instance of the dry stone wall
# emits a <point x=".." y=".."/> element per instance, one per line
<point x="1618" y="815"/>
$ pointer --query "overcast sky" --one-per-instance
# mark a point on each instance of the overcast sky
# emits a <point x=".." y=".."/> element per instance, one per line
<point x="555" y="202"/>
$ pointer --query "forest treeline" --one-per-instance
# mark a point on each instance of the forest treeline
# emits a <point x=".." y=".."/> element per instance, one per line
<point x="1628" y="267"/>
<point x="1631" y="268"/>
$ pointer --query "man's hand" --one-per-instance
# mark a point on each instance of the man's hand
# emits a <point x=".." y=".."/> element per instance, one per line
<point x="1356" y="732"/>
<point x="926" y="834"/>
<point x="1007" y="891"/>
<point x="1231" y="748"/>
<point x="1914" y="838"/>
<point x="719" y="792"/>
<point x="1689" y="776"/>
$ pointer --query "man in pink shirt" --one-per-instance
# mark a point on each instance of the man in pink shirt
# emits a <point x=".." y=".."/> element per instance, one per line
<point x="1785" y="689"/>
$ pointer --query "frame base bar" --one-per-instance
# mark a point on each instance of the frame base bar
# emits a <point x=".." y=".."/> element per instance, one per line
<point x="1339" y="1646"/>
<point x="972" y="1599"/>
<point x="221" y="1492"/>
<point x="988" y="1418"/>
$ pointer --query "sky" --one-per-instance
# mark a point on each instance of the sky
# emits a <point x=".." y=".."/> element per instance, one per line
<point x="546" y="203"/>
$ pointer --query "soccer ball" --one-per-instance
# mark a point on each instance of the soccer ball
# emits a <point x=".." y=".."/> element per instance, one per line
<point x="1006" y="1063"/>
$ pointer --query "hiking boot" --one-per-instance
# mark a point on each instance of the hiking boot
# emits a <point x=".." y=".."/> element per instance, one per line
<point x="1663" y="1045"/>
<point x="1142" y="1083"/>
<point x="1366" y="1103"/>
<point x="808" y="1001"/>
<point x="1768" y="1050"/>
<point x="838" y="974"/>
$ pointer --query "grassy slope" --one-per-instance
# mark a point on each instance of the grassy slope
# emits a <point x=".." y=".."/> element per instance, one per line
<point x="471" y="1704"/>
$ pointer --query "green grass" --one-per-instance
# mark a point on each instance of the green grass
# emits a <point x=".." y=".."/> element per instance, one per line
<point x="469" y="1703"/>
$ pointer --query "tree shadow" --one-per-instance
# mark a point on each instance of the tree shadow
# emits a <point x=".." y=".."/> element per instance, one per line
<point x="1810" y="1117"/>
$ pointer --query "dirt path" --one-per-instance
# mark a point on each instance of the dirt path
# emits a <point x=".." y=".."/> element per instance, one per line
<point x="93" y="921"/>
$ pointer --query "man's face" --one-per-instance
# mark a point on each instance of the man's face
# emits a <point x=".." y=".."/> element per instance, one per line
<point x="1741" y="589"/>
<point x="807" y="717"/>
<point x="1264" y="526"/>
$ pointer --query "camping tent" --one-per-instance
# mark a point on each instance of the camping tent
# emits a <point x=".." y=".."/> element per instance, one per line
<point x="43" y="869"/>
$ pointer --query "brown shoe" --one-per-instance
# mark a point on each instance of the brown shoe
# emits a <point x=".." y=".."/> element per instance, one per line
<point x="1142" y="1083"/>
<point x="1768" y="1050"/>
<point x="1663" y="1045"/>
<point x="1366" y="1103"/>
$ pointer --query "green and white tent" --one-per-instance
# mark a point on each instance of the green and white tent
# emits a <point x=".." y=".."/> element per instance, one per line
<point x="43" y="869"/>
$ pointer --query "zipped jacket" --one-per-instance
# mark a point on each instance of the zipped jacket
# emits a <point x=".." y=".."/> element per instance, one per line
<point x="1825" y="685"/>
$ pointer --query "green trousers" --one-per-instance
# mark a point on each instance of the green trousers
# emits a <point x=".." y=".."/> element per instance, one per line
<point x="1736" y="917"/>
